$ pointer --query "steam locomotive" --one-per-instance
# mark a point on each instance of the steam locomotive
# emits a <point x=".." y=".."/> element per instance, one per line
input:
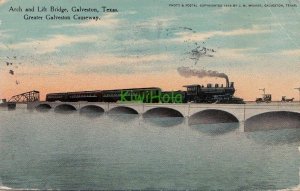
<point x="194" y="93"/>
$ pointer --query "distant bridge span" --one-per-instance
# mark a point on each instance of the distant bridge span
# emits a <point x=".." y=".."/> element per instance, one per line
<point x="26" y="97"/>
<point x="241" y="112"/>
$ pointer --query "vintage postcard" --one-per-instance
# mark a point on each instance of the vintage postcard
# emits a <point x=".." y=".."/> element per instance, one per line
<point x="149" y="95"/>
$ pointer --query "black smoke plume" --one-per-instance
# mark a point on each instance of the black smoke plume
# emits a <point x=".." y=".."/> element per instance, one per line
<point x="189" y="72"/>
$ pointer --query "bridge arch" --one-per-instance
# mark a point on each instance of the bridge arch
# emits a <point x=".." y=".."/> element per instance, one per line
<point x="273" y="120"/>
<point x="64" y="108"/>
<point x="162" y="112"/>
<point x="212" y="116"/>
<point x="123" y="110"/>
<point x="43" y="107"/>
<point x="91" y="109"/>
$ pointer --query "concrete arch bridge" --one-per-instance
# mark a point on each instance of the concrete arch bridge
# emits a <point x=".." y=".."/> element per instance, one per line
<point x="271" y="115"/>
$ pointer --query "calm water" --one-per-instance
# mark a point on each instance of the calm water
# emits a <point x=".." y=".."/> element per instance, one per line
<point x="71" y="151"/>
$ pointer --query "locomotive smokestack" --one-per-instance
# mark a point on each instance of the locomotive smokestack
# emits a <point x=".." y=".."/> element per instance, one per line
<point x="189" y="72"/>
<point x="227" y="81"/>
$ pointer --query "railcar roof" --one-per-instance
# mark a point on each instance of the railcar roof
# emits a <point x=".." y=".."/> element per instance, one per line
<point x="133" y="89"/>
<point x="80" y="92"/>
<point x="97" y="91"/>
<point x="93" y="91"/>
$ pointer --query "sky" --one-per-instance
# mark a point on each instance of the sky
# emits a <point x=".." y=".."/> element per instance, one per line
<point x="146" y="41"/>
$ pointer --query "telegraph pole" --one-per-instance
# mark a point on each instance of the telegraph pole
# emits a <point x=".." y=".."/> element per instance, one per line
<point x="299" y="92"/>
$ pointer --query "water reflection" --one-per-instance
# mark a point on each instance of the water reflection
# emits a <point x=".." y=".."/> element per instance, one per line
<point x="60" y="111"/>
<point x="123" y="117"/>
<point x="164" y="121"/>
<point x="91" y="111"/>
<point x="43" y="109"/>
<point x="216" y="129"/>
<point x="122" y="110"/>
<point x="212" y="116"/>
<point x="91" y="114"/>
<point x="65" y="109"/>
<point x="273" y="121"/>
<point x="162" y="112"/>
<point x="275" y="137"/>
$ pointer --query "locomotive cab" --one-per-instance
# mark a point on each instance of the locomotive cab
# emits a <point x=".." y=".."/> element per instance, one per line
<point x="192" y="92"/>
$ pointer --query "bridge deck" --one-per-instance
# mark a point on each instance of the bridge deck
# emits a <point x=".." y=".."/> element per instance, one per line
<point x="241" y="111"/>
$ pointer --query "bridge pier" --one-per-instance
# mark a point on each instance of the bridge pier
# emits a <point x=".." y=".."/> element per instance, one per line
<point x="195" y="113"/>
<point x="9" y="105"/>
<point x="242" y="126"/>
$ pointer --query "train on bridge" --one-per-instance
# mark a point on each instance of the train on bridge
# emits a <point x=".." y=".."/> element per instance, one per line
<point x="193" y="93"/>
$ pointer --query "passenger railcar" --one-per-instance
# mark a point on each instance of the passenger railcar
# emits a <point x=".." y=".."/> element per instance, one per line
<point x="91" y="96"/>
<point x="194" y="93"/>
<point x="57" y="97"/>
<point x="143" y="95"/>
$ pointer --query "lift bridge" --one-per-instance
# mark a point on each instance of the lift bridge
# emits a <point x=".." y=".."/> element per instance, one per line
<point x="26" y="97"/>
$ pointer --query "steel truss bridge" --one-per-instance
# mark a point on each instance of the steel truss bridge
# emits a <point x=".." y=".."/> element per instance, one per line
<point x="26" y="97"/>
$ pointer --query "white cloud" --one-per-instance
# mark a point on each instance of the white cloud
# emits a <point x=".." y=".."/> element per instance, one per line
<point x="122" y="64"/>
<point x="108" y="59"/>
<point x="53" y="43"/>
<point x="234" y="54"/>
<point x="132" y="12"/>
<point x="4" y="34"/>
<point x="3" y="46"/>
<point x="103" y="63"/>
<point x="155" y="22"/>
<point x="294" y="52"/>
<point x="185" y="36"/>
